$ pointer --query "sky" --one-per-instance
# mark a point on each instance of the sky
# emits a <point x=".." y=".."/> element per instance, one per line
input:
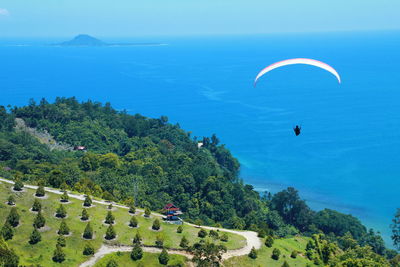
<point x="128" y="18"/>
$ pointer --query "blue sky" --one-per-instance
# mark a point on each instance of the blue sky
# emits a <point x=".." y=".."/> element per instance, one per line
<point x="55" y="18"/>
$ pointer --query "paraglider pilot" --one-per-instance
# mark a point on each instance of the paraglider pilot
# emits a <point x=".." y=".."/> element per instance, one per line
<point x="297" y="130"/>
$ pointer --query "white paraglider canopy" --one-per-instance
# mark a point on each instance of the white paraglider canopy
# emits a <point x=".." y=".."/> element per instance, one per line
<point x="294" y="61"/>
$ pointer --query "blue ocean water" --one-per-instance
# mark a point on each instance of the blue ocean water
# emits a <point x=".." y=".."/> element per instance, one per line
<point x="347" y="157"/>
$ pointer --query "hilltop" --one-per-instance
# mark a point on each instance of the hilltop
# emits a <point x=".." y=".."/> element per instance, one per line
<point x="83" y="40"/>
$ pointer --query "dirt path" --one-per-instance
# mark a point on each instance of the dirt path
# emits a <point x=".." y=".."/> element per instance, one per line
<point x="251" y="237"/>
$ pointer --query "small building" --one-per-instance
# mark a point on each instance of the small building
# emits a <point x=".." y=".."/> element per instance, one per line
<point x="172" y="213"/>
<point x="79" y="148"/>
<point x="199" y="144"/>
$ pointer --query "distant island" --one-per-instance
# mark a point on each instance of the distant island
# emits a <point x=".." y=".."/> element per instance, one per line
<point x="87" y="40"/>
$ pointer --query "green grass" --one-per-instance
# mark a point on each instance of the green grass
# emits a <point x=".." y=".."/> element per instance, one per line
<point x="149" y="259"/>
<point x="42" y="252"/>
<point x="286" y="246"/>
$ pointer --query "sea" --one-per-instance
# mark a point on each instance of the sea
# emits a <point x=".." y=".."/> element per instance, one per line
<point x="347" y="157"/>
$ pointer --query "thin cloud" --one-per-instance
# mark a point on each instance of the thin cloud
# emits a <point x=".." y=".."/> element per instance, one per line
<point x="4" y="12"/>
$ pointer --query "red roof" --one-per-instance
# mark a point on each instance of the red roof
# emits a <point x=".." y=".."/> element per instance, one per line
<point x="170" y="206"/>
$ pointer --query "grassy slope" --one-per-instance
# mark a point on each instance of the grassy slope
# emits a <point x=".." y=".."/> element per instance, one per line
<point x="149" y="259"/>
<point x="286" y="246"/>
<point x="42" y="252"/>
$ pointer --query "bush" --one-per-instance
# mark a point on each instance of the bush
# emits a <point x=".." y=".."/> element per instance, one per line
<point x="112" y="263"/>
<point x="88" y="249"/>
<point x="262" y="233"/>
<point x="58" y="255"/>
<point x="285" y="264"/>
<point x="87" y="202"/>
<point x="40" y="191"/>
<point x="35" y="237"/>
<point x="164" y="257"/>
<point x="213" y="234"/>
<point x="179" y="229"/>
<point x="11" y="200"/>
<point x="13" y="217"/>
<point x="64" y="197"/>
<point x="64" y="229"/>
<point x="18" y="185"/>
<point x="84" y="215"/>
<point x="269" y="241"/>
<point x="61" y="212"/>
<point x="137" y="252"/>
<point x="159" y="241"/>
<point x="147" y="212"/>
<point x="39" y="220"/>
<point x="88" y="232"/>
<point x="275" y="254"/>
<point x="110" y="206"/>
<point x="132" y="209"/>
<point x="184" y="242"/>
<point x="8" y="258"/>
<point x="294" y="254"/>
<point x="36" y="205"/>
<point x="110" y="233"/>
<point x="156" y="225"/>
<point x="109" y="218"/>
<point x="61" y="241"/>
<point x="224" y="237"/>
<point x="137" y="239"/>
<point x="253" y="253"/>
<point x="133" y="222"/>
<point x="7" y="231"/>
<point x="202" y="233"/>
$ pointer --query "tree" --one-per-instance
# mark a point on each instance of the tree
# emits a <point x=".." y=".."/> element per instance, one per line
<point x="269" y="241"/>
<point x="132" y="209"/>
<point x="224" y="237"/>
<point x="137" y="239"/>
<point x="137" y="252"/>
<point x="11" y="200"/>
<point x="88" y="201"/>
<point x="64" y="229"/>
<point x="184" y="242"/>
<point x="207" y="253"/>
<point x="285" y="264"/>
<point x="164" y="257"/>
<point x="179" y="229"/>
<point x="13" y="217"/>
<point x="40" y="191"/>
<point x="18" y="185"/>
<point x="109" y="218"/>
<point x="61" y="212"/>
<point x="147" y="212"/>
<point x="8" y="258"/>
<point x="156" y="225"/>
<point x="213" y="234"/>
<point x="64" y="197"/>
<point x="61" y="241"/>
<point x="294" y="254"/>
<point x="35" y="237"/>
<point x="58" y="255"/>
<point x="84" y="215"/>
<point x="7" y="231"/>
<point x="110" y="233"/>
<point x="110" y="206"/>
<point x="159" y="241"/>
<point x="39" y="220"/>
<point x="88" y="232"/>
<point x="275" y="254"/>
<point x="396" y="229"/>
<point x="36" y="205"/>
<point x="88" y="249"/>
<point x="253" y="253"/>
<point x="112" y="263"/>
<point x="133" y="222"/>
<point x="202" y="233"/>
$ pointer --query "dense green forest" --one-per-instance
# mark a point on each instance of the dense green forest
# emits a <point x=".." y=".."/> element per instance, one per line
<point x="150" y="162"/>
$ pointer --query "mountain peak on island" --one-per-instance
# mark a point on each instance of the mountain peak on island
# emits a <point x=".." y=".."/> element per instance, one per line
<point x="84" y="40"/>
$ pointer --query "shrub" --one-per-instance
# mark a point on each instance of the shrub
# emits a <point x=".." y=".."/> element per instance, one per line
<point x="262" y="233"/>
<point x="88" y="249"/>
<point x="39" y="220"/>
<point x="156" y="225"/>
<point x="269" y="241"/>
<point x="8" y="258"/>
<point x="88" y="232"/>
<point x="58" y="255"/>
<point x="159" y="241"/>
<point x="87" y="202"/>
<point x="61" y="241"/>
<point x="7" y="231"/>
<point x="294" y="254"/>
<point x="110" y="233"/>
<point x="137" y="252"/>
<point x="132" y="209"/>
<point x="285" y="264"/>
<point x="112" y="263"/>
<point x="64" y="229"/>
<point x="253" y="253"/>
<point x="164" y="257"/>
<point x="84" y="215"/>
<point x="36" y="205"/>
<point x="61" y="212"/>
<point x="184" y="242"/>
<point x="18" y="185"/>
<point x="224" y="237"/>
<point x="109" y="218"/>
<point x="179" y="229"/>
<point x="137" y="239"/>
<point x="213" y="234"/>
<point x="35" y="237"/>
<point x="40" y="191"/>
<point x="13" y="217"/>
<point x="11" y="200"/>
<point x="147" y="212"/>
<point x="202" y="233"/>
<point x="64" y="197"/>
<point x="275" y="254"/>
<point x="133" y="222"/>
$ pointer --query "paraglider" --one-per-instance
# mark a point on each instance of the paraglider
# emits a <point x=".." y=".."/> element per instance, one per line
<point x="295" y="61"/>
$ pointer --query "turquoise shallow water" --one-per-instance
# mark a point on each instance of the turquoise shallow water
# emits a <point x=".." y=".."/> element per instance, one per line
<point x="347" y="157"/>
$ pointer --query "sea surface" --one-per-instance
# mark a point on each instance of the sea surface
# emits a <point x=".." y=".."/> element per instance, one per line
<point x="348" y="155"/>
